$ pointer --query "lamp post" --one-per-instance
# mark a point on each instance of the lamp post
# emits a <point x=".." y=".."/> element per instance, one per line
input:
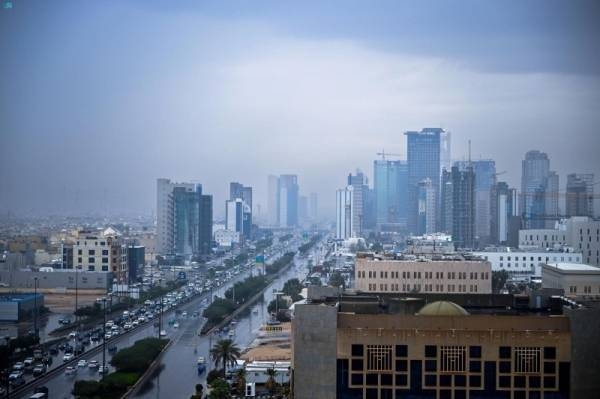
<point x="76" y="291"/>
<point x="35" y="308"/>
<point x="104" y="339"/>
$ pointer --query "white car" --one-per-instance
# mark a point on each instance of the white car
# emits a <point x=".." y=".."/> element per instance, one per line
<point x="127" y="326"/>
<point x="70" y="370"/>
<point x="67" y="357"/>
<point x="82" y="363"/>
<point x="93" y="364"/>
<point x="107" y="335"/>
<point x="103" y="369"/>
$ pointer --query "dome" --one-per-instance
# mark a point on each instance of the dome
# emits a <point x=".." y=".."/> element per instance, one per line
<point x="442" y="308"/>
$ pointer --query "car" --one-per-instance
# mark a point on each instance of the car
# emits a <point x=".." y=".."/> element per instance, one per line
<point x="68" y="357"/>
<point x="82" y="363"/>
<point x="39" y="370"/>
<point x="127" y="326"/>
<point x="107" y="335"/>
<point x="93" y="364"/>
<point x="70" y="370"/>
<point x="163" y="333"/>
<point x="103" y="369"/>
<point x="95" y="338"/>
<point x="135" y="323"/>
<point x="18" y="366"/>
<point x="72" y="334"/>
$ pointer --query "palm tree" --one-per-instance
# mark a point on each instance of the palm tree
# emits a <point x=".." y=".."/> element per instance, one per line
<point x="225" y="352"/>
<point x="271" y="383"/>
<point x="240" y="381"/>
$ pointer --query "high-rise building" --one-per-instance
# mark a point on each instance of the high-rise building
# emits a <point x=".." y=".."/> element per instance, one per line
<point x="313" y="207"/>
<point x="370" y="216"/>
<point x="344" y="209"/>
<point x="135" y="261"/>
<point x="463" y="207"/>
<point x="164" y="189"/>
<point x="191" y="221"/>
<point x="580" y="194"/>
<point x="445" y="150"/>
<point x="302" y="209"/>
<point x="447" y="192"/>
<point x="485" y="178"/>
<point x="360" y="191"/>
<point x="423" y="156"/>
<point x="539" y="191"/>
<point x="505" y="220"/>
<point x="234" y="215"/>
<point x="244" y="193"/>
<point x="427" y="220"/>
<point x="288" y="200"/>
<point x="390" y="182"/>
<point x="273" y="200"/>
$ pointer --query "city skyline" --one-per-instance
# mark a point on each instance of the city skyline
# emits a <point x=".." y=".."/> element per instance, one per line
<point x="293" y="79"/>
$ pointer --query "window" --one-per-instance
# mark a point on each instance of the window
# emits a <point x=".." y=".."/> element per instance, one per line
<point x="79" y="252"/>
<point x="357" y="350"/>
<point x="527" y="360"/>
<point x="379" y="357"/>
<point x="91" y="260"/>
<point x="430" y="351"/>
<point x="105" y="253"/>
<point x="92" y="252"/>
<point x="453" y="358"/>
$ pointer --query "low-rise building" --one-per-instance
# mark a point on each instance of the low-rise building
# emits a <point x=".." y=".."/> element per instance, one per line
<point x="15" y="307"/>
<point x="227" y="238"/>
<point x="526" y="262"/>
<point x="375" y="273"/>
<point x="577" y="280"/>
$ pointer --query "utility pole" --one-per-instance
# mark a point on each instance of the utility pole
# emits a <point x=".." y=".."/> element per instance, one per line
<point x="104" y="339"/>
<point x="35" y="308"/>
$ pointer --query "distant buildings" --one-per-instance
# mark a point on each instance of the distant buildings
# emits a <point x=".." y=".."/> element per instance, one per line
<point x="344" y="211"/>
<point x="423" y="158"/>
<point x="576" y="280"/>
<point x="505" y="221"/>
<point x="273" y="201"/>
<point x="390" y="192"/>
<point x="283" y="200"/>
<point x="360" y="190"/>
<point x="427" y="209"/>
<point x="313" y="207"/>
<point x="458" y="206"/>
<point x="243" y="193"/>
<point x="580" y="194"/>
<point x="103" y="251"/>
<point x="539" y="191"/>
<point x="184" y="219"/>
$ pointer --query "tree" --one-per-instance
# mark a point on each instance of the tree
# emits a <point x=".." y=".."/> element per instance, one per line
<point x="293" y="287"/>
<point x="337" y="280"/>
<point x="271" y="383"/>
<point x="219" y="389"/>
<point x="499" y="279"/>
<point x="199" y="392"/>
<point x="225" y="352"/>
<point x="240" y="381"/>
<point x="277" y="304"/>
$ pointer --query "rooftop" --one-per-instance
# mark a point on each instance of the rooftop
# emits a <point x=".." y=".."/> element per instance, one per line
<point x="572" y="267"/>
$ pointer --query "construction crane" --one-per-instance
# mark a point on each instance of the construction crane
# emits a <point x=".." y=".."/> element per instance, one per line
<point x="499" y="173"/>
<point x="383" y="154"/>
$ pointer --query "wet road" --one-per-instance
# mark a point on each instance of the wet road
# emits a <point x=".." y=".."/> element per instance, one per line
<point x="177" y="375"/>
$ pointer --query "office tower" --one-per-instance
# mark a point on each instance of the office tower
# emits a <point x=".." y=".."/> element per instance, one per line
<point x="360" y="190"/>
<point x="302" y="208"/>
<point x="390" y="182"/>
<point x="446" y="195"/>
<point x="485" y="178"/>
<point x="135" y="261"/>
<point x="551" y="211"/>
<point x="344" y="207"/>
<point x="463" y="207"/>
<point x="239" y="191"/>
<point x="314" y="204"/>
<point x="370" y="218"/>
<point x="164" y="188"/>
<point x="206" y="224"/>
<point x="580" y="194"/>
<point x="534" y="187"/>
<point x="423" y="156"/>
<point x="445" y="150"/>
<point x="314" y="207"/>
<point x="191" y="221"/>
<point x="426" y="220"/>
<point x="234" y="215"/>
<point x="273" y="201"/>
<point x="288" y="200"/>
<point x="504" y="215"/>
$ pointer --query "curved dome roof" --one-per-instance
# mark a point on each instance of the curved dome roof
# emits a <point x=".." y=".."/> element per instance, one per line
<point x="442" y="308"/>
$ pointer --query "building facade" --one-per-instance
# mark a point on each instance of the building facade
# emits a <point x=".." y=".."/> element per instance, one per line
<point x="463" y="207"/>
<point x="505" y="221"/>
<point x="427" y="210"/>
<point x="525" y="263"/>
<point x="580" y="194"/>
<point x="288" y="200"/>
<point x="273" y="200"/>
<point x="373" y="274"/>
<point x="164" y="217"/>
<point x="344" y="209"/>
<point x="577" y="280"/>
<point x="360" y="190"/>
<point x="391" y="196"/>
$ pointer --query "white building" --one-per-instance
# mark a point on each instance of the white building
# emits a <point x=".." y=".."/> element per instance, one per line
<point x="226" y="238"/>
<point x="101" y="251"/>
<point x="344" y="208"/>
<point x="526" y="263"/>
<point x="234" y="218"/>
<point x="575" y="279"/>
<point x="436" y="243"/>
<point x="164" y="188"/>
<point x="579" y="232"/>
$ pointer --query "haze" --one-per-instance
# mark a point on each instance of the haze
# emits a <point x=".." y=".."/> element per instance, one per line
<point x="98" y="99"/>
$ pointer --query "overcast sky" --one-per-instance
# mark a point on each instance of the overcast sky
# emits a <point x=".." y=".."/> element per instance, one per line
<point x="98" y="99"/>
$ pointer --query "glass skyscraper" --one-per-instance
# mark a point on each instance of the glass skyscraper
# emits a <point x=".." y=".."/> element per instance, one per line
<point x="192" y="221"/>
<point x="390" y="182"/>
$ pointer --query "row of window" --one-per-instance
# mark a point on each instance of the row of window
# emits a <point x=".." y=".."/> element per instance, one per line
<point x="426" y="287"/>
<point x="102" y="243"/>
<point x="587" y="289"/>
<point x="92" y="260"/>
<point x="93" y="252"/>
<point x="428" y="275"/>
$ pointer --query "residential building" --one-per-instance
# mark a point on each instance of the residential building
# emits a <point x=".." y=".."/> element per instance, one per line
<point x="580" y="194"/>
<point x="578" y="232"/>
<point x="164" y="217"/>
<point x="374" y="273"/>
<point x="391" y="197"/>
<point x="526" y="262"/>
<point x="423" y="158"/>
<point x="103" y="251"/>
<point x="577" y="280"/>
<point x="344" y="208"/>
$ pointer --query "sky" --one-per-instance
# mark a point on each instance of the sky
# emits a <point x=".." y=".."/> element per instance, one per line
<point x="100" y="98"/>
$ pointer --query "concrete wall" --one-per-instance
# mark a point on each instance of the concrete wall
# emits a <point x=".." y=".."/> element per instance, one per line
<point x="314" y="351"/>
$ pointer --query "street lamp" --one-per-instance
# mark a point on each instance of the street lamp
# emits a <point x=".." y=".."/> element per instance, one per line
<point x="76" y="291"/>
<point x="35" y="308"/>
<point x="104" y="339"/>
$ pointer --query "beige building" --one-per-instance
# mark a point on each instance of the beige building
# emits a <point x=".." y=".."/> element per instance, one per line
<point x="377" y="274"/>
<point x="101" y="251"/>
<point x="442" y="351"/>
<point x="576" y="280"/>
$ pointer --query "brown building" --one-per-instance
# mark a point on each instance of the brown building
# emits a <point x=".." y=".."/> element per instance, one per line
<point x="363" y="347"/>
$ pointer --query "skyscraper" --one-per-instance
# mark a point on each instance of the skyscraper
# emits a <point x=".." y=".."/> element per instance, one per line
<point x="192" y="219"/>
<point x="427" y="220"/>
<point x="504" y="221"/>
<point x="539" y="191"/>
<point x="273" y="201"/>
<point x="244" y="193"/>
<point x="302" y="209"/>
<point x="423" y="156"/>
<point x="164" y="189"/>
<point x="344" y="208"/>
<point x="485" y="178"/>
<point x="288" y="200"/>
<point x="580" y="194"/>
<point x="390" y="182"/>
<point x="446" y="198"/>
<point x="463" y="207"/>
<point x="360" y="190"/>
<point x="234" y="215"/>
<point x="314" y="207"/>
